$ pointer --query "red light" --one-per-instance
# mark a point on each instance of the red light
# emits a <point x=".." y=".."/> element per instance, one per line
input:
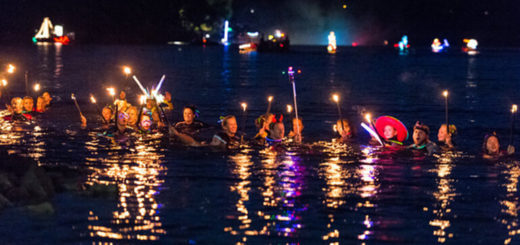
<point x="281" y="45"/>
<point x="396" y="45"/>
<point x="299" y="71"/>
<point x="63" y="40"/>
<point x="354" y="44"/>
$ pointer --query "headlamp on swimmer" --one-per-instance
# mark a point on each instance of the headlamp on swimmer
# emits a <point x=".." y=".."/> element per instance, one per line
<point x="124" y="115"/>
<point x="421" y="126"/>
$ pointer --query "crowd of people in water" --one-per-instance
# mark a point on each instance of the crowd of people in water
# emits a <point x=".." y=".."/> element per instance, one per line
<point x="121" y="121"/>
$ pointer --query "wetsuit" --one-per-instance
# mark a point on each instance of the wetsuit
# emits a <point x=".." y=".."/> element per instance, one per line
<point x="192" y="129"/>
<point x="231" y="142"/>
<point x="428" y="148"/>
<point x="19" y="117"/>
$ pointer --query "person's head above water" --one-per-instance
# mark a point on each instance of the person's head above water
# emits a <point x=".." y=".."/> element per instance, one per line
<point x="442" y="135"/>
<point x="40" y="104"/>
<point x="344" y="130"/>
<point x="189" y="114"/>
<point x="106" y="113"/>
<point x="17" y="105"/>
<point x="122" y="119"/>
<point x="28" y="104"/>
<point x="122" y="95"/>
<point x="390" y="128"/>
<point x="229" y="125"/>
<point x="145" y="123"/>
<point x="389" y="132"/>
<point x="276" y="131"/>
<point x="263" y="121"/>
<point x="150" y="103"/>
<point x="420" y="133"/>
<point x="132" y="115"/>
<point x="297" y="125"/>
<point x="491" y="145"/>
<point x="47" y="97"/>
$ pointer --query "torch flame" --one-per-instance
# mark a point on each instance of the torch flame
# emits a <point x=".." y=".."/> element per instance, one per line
<point x="111" y="91"/>
<point x="4" y="82"/>
<point x="36" y="87"/>
<point x="127" y="70"/>
<point x="445" y="93"/>
<point x="244" y="106"/>
<point x="289" y="109"/>
<point x="335" y="97"/>
<point x="10" y="68"/>
<point x="270" y="98"/>
<point x="368" y="117"/>
<point x="514" y="109"/>
<point x="92" y="99"/>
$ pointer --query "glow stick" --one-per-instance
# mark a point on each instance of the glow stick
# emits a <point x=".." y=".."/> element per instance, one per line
<point x="372" y="133"/>
<point x="160" y="83"/>
<point x="140" y="86"/>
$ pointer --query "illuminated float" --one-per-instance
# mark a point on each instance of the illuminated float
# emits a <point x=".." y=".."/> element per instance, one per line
<point x="331" y="48"/>
<point x="438" y="47"/>
<point x="471" y="46"/>
<point x="403" y="45"/>
<point x="50" y="34"/>
<point x="248" y="42"/>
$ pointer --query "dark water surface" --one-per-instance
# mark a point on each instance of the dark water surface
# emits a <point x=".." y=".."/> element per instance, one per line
<point x="324" y="193"/>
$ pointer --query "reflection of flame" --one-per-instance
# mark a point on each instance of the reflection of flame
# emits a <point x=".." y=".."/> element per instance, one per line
<point x="444" y="195"/>
<point x="510" y="206"/>
<point x="136" y="177"/>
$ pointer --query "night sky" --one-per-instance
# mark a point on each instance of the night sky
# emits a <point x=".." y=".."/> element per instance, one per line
<point x="368" y="22"/>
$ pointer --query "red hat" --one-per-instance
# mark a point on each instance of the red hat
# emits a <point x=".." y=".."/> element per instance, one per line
<point x="402" y="132"/>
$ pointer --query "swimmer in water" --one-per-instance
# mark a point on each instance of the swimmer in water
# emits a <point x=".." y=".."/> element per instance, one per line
<point x="491" y="148"/>
<point x="121" y="102"/>
<point x="28" y="105"/>
<point x="276" y="134"/>
<point x="133" y="117"/>
<point x="17" y="111"/>
<point x="188" y="130"/>
<point x="446" y="139"/>
<point x="296" y="133"/>
<point x="122" y="134"/>
<point x="46" y="99"/>
<point x="344" y="131"/>
<point x="262" y="124"/>
<point x="40" y="105"/>
<point x="145" y="125"/>
<point x="421" y="139"/>
<point x="393" y="131"/>
<point x="227" y="138"/>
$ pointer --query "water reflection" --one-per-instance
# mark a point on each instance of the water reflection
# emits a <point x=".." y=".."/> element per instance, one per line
<point x="510" y="204"/>
<point x="136" y="177"/>
<point x="242" y="170"/>
<point x="283" y="185"/>
<point x="444" y="196"/>
<point x="346" y="181"/>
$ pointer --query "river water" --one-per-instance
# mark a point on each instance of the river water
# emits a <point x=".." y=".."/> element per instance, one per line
<point x="318" y="194"/>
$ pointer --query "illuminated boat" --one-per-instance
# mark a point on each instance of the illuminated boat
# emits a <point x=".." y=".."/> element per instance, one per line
<point x="248" y="42"/>
<point x="438" y="47"/>
<point x="403" y="45"/>
<point x="49" y="33"/>
<point x="331" y="48"/>
<point x="471" y="46"/>
<point x="277" y="42"/>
